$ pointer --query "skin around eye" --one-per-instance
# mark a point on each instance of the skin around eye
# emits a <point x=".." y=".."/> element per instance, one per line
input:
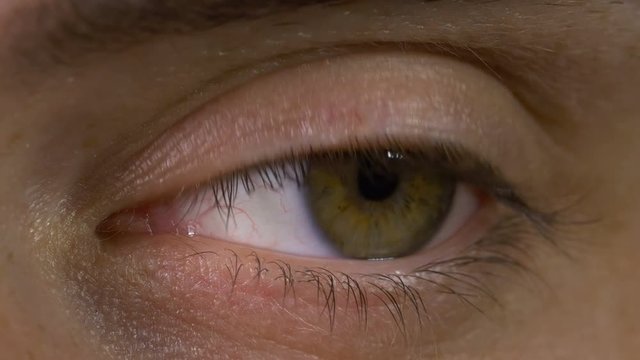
<point x="328" y="206"/>
<point x="329" y="105"/>
<point x="69" y="133"/>
<point x="242" y="282"/>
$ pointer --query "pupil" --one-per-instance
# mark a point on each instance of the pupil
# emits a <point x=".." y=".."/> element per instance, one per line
<point x="376" y="184"/>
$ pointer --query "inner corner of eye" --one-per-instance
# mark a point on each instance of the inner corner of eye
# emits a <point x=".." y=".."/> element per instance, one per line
<point x="149" y="219"/>
<point x="359" y="207"/>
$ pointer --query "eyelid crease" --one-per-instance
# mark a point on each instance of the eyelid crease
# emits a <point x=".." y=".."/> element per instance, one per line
<point x="317" y="124"/>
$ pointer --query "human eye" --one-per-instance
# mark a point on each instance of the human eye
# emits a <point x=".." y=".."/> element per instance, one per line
<point x="219" y="179"/>
<point x="384" y="190"/>
<point x="367" y="203"/>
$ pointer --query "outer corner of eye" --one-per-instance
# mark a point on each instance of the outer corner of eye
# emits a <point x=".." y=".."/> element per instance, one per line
<point x="365" y="205"/>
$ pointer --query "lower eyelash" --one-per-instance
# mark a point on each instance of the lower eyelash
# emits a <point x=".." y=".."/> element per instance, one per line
<point x="502" y="252"/>
<point x="449" y="158"/>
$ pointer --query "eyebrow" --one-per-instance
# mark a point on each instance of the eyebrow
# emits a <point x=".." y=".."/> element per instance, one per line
<point x="64" y="30"/>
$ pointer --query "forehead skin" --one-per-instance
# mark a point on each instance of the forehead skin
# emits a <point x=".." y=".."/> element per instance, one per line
<point x="75" y="92"/>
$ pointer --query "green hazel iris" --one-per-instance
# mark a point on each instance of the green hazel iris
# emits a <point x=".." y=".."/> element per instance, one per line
<point x="377" y="205"/>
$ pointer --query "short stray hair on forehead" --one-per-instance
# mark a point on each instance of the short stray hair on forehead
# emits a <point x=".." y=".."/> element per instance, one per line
<point x="63" y="30"/>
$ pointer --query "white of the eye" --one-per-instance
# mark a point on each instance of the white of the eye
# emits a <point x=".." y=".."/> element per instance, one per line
<point x="281" y="221"/>
<point x="464" y="204"/>
<point x="267" y="219"/>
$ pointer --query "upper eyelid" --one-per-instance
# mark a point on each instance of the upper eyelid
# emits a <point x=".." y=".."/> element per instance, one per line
<point x="151" y="153"/>
<point x="494" y="62"/>
<point x="447" y="156"/>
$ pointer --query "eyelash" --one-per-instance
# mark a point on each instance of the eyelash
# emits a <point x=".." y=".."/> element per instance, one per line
<point x="503" y="245"/>
<point x="502" y="249"/>
<point x="448" y="158"/>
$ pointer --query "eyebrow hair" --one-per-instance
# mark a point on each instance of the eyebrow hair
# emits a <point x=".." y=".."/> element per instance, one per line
<point x="64" y="30"/>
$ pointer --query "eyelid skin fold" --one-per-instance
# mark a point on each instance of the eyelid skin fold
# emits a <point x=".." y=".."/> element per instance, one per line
<point x="328" y="105"/>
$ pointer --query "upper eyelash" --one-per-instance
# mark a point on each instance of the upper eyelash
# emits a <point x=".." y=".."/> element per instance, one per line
<point x="502" y="246"/>
<point x="450" y="158"/>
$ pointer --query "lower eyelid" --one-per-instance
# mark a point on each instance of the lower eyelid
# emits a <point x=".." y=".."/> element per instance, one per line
<point x="235" y="281"/>
<point x="455" y="236"/>
<point x="190" y="289"/>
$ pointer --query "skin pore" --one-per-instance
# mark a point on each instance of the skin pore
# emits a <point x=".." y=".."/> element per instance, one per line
<point x="115" y="109"/>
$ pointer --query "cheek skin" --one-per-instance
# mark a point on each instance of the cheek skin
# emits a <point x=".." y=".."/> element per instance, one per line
<point x="593" y="312"/>
<point x="216" y="309"/>
<point x="171" y="296"/>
